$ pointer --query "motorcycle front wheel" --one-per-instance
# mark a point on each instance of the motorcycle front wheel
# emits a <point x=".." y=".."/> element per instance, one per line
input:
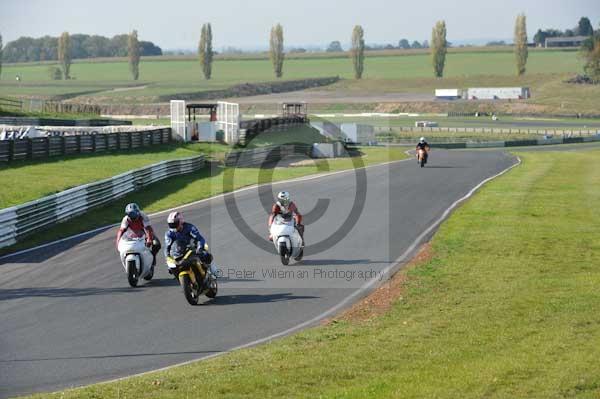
<point x="213" y="288"/>
<point x="188" y="289"/>
<point x="132" y="276"/>
<point x="284" y="255"/>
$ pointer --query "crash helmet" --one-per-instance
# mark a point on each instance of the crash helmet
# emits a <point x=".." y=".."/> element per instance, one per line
<point x="175" y="220"/>
<point x="132" y="211"/>
<point x="422" y="140"/>
<point x="283" y="197"/>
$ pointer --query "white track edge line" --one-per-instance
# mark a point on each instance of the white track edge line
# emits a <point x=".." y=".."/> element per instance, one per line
<point x="398" y="262"/>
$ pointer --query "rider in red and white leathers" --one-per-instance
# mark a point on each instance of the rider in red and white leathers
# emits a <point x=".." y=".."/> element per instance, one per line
<point x="137" y="221"/>
<point x="285" y="206"/>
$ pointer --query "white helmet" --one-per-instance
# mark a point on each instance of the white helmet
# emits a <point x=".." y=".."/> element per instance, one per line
<point x="283" y="198"/>
<point x="422" y="140"/>
<point x="175" y="220"/>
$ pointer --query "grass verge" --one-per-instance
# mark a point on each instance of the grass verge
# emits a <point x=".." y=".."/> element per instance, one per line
<point x="188" y="188"/>
<point x="51" y="175"/>
<point x="501" y="309"/>
<point x="299" y="134"/>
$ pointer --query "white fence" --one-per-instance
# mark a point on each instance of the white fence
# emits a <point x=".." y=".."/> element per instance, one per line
<point x="178" y="120"/>
<point x="19" y="221"/>
<point x="228" y="120"/>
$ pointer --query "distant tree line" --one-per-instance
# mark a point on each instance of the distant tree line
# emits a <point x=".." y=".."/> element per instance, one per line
<point x="27" y="49"/>
<point x="336" y="46"/>
<point x="583" y="28"/>
<point x="591" y="55"/>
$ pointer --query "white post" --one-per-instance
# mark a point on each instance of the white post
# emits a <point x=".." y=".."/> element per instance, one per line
<point x="178" y="125"/>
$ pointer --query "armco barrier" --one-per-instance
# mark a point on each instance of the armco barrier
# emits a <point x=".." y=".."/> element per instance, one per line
<point x="517" y="143"/>
<point x="270" y="154"/>
<point x="19" y="221"/>
<point x="43" y="147"/>
<point x="26" y="121"/>
<point x="251" y="128"/>
<point x="492" y="131"/>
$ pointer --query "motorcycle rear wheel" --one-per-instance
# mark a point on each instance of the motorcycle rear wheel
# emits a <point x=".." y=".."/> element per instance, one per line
<point x="149" y="276"/>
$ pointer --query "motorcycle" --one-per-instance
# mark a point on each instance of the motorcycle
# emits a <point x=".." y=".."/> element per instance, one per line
<point x="136" y="258"/>
<point x="422" y="155"/>
<point x="193" y="276"/>
<point x="286" y="239"/>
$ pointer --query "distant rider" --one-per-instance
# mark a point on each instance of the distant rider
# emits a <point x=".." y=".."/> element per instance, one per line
<point x="181" y="235"/>
<point x="423" y="145"/>
<point x="137" y="221"/>
<point x="285" y="206"/>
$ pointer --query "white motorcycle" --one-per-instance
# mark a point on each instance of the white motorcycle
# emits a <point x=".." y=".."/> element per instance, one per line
<point x="286" y="239"/>
<point x="136" y="258"/>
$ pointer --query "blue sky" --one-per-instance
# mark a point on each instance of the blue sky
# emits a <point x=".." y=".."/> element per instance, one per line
<point x="246" y="24"/>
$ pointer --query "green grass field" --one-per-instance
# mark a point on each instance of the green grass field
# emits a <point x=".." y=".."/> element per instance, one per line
<point x="408" y="72"/>
<point x="507" y="307"/>
<point x="49" y="176"/>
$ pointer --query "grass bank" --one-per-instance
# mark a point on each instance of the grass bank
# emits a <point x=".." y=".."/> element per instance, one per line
<point x="24" y="181"/>
<point x="111" y="81"/>
<point x="507" y="306"/>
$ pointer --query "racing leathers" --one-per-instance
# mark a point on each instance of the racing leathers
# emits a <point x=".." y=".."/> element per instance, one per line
<point x="140" y="226"/>
<point x="423" y="145"/>
<point x="188" y="236"/>
<point x="280" y="209"/>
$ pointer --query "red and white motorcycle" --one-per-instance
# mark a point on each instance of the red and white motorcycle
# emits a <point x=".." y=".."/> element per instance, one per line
<point x="136" y="257"/>
<point x="286" y="238"/>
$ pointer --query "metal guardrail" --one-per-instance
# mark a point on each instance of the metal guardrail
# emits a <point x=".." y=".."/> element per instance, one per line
<point x="251" y="128"/>
<point x="10" y="103"/>
<point x="44" y="147"/>
<point x="517" y="143"/>
<point x="265" y="155"/>
<point x="541" y="132"/>
<point x="19" y="221"/>
<point x="30" y="121"/>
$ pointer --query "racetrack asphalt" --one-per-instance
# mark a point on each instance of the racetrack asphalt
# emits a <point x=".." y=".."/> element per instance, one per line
<point x="69" y="318"/>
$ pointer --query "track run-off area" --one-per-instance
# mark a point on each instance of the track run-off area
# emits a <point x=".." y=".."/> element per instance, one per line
<point x="69" y="318"/>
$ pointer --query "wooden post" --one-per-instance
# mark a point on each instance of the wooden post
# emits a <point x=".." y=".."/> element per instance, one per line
<point x="93" y="143"/>
<point x="78" y="141"/>
<point x="47" y="143"/>
<point x="129" y="136"/>
<point x="63" y="145"/>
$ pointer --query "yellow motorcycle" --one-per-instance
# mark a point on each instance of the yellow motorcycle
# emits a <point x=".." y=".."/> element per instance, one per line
<point x="193" y="276"/>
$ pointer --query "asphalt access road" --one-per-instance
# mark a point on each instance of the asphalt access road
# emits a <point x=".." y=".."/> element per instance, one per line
<point x="69" y="318"/>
